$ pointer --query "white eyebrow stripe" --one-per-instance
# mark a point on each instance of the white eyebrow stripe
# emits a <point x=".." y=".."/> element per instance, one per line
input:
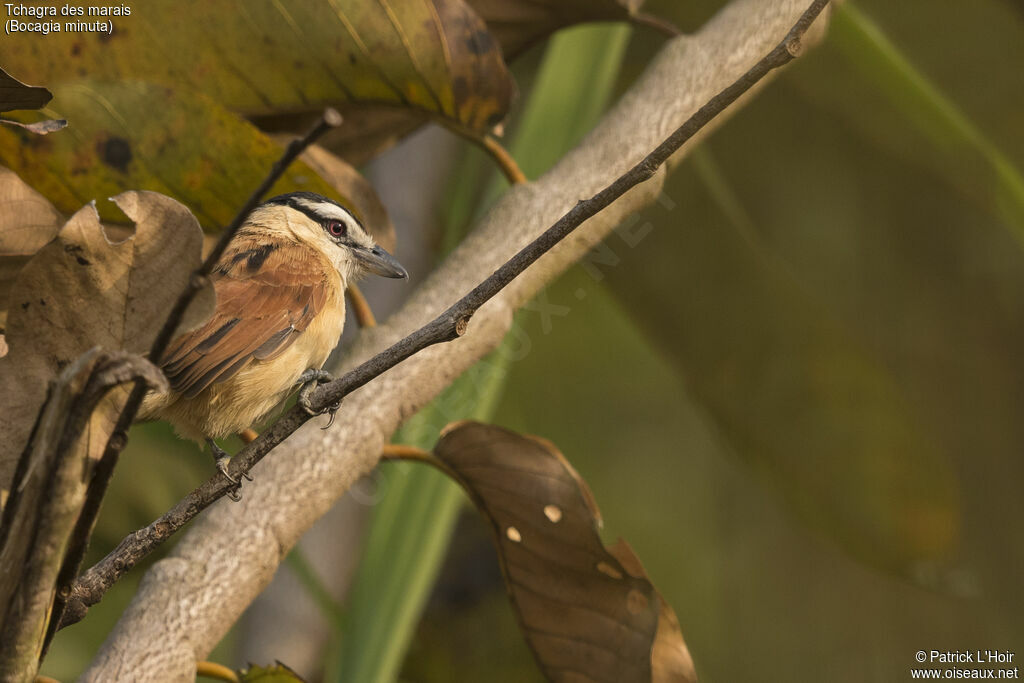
<point x="356" y="232"/>
<point x="327" y="210"/>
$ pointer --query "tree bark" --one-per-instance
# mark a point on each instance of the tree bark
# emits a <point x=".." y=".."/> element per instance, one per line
<point x="187" y="602"/>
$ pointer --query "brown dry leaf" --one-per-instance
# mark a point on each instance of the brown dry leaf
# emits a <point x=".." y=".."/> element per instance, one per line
<point x="588" y="613"/>
<point x="518" y="24"/>
<point x="16" y="95"/>
<point x="27" y="222"/>
<point x="82" y="291"/>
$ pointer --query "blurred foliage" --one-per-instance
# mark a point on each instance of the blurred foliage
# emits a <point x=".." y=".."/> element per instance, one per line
<point x="837" y="200"/>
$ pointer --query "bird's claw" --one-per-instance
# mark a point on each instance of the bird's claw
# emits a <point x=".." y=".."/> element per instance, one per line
<point x="221" y="458"/>
<point x="332" y="410"/>
<point x="310" y="380"/>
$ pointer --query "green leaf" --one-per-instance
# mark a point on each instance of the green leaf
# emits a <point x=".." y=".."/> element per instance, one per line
<point x="793" y="390"/>
<point x="918" y="120"/>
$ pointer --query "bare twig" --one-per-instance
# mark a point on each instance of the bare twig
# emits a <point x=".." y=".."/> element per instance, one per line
<point x="402" y="452"/>
<point x="448" y="326"/>
<point x="217" y="671"/>
<point x="104" y="469"/>
<point x="398" y="451"/>
<point x="505" y="162"/>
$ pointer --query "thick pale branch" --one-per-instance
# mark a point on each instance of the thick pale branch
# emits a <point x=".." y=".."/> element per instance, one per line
<point x="188" y="601"/>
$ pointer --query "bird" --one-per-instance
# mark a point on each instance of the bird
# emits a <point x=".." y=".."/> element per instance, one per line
<point x="280" y="290"/>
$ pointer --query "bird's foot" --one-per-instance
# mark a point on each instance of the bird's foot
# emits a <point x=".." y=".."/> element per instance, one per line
<point x="221" y="458"/>
<point x="310" y="380"/>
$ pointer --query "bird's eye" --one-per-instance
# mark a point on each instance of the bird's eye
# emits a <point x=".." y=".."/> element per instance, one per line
<point x="336" y="228"/>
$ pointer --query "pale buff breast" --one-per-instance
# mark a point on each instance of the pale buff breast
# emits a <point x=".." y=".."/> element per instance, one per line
<point x="245" y="399"/>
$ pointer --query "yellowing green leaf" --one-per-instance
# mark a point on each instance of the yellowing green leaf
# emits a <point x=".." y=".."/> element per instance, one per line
<point x="264" y="57"/>
<point x="132" y="135"/>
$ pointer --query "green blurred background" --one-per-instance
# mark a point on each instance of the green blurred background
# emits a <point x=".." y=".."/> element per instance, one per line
<point x="793" y="384"/>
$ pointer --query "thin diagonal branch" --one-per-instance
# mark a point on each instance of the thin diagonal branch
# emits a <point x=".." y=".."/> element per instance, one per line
<point x="449" y="325"/>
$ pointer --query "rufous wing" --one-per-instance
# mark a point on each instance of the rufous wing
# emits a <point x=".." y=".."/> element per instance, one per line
<point x="267" y="294"/>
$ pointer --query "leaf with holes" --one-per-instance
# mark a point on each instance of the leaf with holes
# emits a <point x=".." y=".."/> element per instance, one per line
<point x="425" y="58"/>
<point x="588" y="612"/>
<point x="81" y="291"/>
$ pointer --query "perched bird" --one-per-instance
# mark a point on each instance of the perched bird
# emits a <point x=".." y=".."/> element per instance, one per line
<point x="280" y="289"/>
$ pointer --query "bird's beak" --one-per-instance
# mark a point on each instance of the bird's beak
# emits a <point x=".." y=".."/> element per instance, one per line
<point x="379" y="261"/>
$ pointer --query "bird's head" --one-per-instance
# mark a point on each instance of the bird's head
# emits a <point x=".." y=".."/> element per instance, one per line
<point x="329" y="227"/>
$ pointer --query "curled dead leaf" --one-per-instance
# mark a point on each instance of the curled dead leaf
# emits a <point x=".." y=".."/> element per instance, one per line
<point x="81" y="290"/>
<point x="589" y="613"/>
<point x="27" y="222"/>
